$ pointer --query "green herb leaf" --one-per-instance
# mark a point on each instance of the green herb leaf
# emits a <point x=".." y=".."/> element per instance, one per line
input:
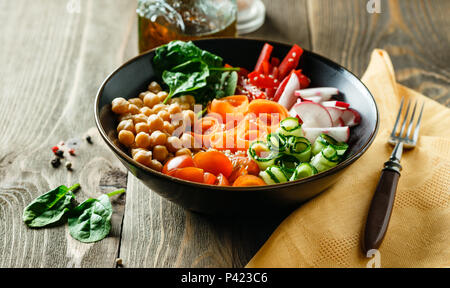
<point x="91" y="220"/>
<point x="186" y="77"/>
<point x="50" y="207"/>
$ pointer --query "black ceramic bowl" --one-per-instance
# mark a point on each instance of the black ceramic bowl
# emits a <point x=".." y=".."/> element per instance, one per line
<point x="134" y="76"/>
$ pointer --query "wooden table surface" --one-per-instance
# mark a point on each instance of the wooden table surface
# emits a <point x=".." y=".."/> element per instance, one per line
<point x="51" y="65"/>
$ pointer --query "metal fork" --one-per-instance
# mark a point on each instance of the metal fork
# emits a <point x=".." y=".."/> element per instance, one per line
<point x="383" y="200"/>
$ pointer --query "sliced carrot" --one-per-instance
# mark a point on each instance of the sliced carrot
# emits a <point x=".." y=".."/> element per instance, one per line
<point x="248" y="180"/>
<point x="229" y="105"/>
<point x="261" y="106"/>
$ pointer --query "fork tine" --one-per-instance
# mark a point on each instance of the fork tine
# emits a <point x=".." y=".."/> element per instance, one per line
<point x="411" y="121"/>
<point x="405" y="120"/>
<point x="416" y="131"/>
<point x="398" y="118"/>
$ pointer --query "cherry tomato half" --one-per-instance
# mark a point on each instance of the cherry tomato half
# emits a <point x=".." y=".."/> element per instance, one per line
<point x="214" y="162"/>
<point x="189" y="173"/>
<point x="178" y="162"/>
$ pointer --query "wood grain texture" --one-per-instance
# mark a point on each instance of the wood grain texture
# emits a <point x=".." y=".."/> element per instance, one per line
<point x="415" y="33"/>
<point x="52" y="63"/>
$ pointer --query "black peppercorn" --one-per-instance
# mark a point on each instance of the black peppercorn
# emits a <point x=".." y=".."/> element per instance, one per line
<point x="56" y="163"/>
<point x="89" y="139"/>
<point x="59" y="153"/>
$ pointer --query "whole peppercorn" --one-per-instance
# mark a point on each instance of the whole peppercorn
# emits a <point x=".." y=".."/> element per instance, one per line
<point x="59" y="153"/>
<point x="69" y="165"/>
<point x="56" y="163"/>
<point x="89" y="139"/>
<point x="72" y="152"/>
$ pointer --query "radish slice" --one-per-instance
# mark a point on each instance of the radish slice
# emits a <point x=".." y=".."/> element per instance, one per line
<point x="288" y="99"/>
<point x="340" y="134"/>
<point x="339" y="123"/>
<point x="315" y="99"/>
<point x="324" y="92"/>
<point x="351" y="117"/>
<point x="335" y="114"/>
<point x="313" y="114"/>
<point x="336" y="104"/>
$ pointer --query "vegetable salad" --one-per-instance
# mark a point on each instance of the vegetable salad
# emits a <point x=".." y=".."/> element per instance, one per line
<point x="209" y="122"/>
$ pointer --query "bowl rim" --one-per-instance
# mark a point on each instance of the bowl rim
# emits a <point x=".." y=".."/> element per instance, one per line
<point x="334" y="170"/>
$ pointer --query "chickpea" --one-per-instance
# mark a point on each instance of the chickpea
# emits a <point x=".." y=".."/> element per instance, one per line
<point x="183" y="151"/>
<point x="142" y="127"/>
<point x="158" y="138"/>
<point x="154" y="87"/>
<point x="125" y="117"/>
<point x="133" y="109"/>
<point x="168" y="128"/>
<point x="187" y="140"/>
<point x="140" y="118"/>
<point x="189" y="99"/>
<point x="160" y="153"/>
<point x="146" y="111"/>
<point x="144" y="157"/>
<point x="164" y="115"/>
<point x="126" y="125"/>
<point x="142" y="95"/>
<point x="162" y="95"/>
<point x="126" y="137"/>
<point x="135" y="150"/>
<point x="120" y="105"/>
<point x="155" y="123"/>
<point x="136" y="101"/>
<point x="143" y="140"/>
<point x="151" y="100"/>
<point x="174" y="144"/>
<point x="155" y="165"/>
<point x="189" y="117"/>
<point x="185" y="106"/>
<point x="159" y="107"/>
<point x="174" y="108"/>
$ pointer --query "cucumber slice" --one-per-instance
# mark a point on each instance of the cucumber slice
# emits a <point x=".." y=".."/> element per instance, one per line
<point x="276" y="174"/>
<point x="267" y="178"/>
<point x="288" y="163"/>
<point x="290" y="127"/>
<point x="325" y="140"/>
<point x="322" y="163"/>
<point x="300" y="148"/>
<point x="302" y="171"/>
<point x="260" y="152"/>
<point x="277" y="142"/>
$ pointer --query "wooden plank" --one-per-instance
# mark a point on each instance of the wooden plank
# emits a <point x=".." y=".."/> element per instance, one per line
<point x="158" y="233"/>
<point x="52" y="64"/>
<point x="415" y="33"/>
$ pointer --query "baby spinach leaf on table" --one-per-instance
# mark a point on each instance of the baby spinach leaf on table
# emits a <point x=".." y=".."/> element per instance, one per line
<point x="91" y="220"/>
<point x="50" y="207"/>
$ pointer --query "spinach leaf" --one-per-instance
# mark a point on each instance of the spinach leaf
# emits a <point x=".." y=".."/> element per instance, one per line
<point x="177" y="52"/>
<point x="186" y="69"/>
<point x="91" y="220"/>
<point x="50" y="207"/>
<point x="186" y="77"/>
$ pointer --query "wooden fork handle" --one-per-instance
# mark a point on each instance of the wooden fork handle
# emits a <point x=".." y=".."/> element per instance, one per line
<point x="380" y="210"/>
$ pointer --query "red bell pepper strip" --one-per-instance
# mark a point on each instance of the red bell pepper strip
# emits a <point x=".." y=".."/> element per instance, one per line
<point x="264" y="56"/>
<point x="262" y="81"/>
<point x="275" y="62"/>
<point x="290" y="62"/>
<point x="270" y="92"/>
<point x="266" y="68"/>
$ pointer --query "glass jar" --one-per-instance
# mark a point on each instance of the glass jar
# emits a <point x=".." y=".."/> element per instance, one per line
<point x="161" y="21"/>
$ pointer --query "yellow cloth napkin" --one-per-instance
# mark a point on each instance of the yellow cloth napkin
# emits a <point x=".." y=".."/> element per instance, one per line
<point x="326" y="231"/>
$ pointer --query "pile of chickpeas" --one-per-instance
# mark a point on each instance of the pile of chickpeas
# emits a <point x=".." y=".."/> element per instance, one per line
<point x="152" y="131"/>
